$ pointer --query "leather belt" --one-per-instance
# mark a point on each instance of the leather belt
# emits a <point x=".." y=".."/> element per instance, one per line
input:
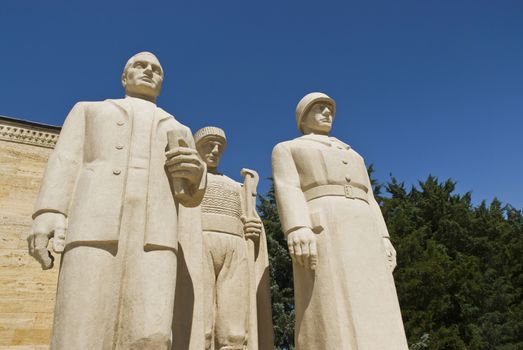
<point x="353" y="191"/>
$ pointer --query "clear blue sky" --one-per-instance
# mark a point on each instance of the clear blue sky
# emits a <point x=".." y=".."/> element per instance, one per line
<point x="422" y="87"/>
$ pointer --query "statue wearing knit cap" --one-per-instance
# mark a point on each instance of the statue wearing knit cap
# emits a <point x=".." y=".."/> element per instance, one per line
<point x="338" y="240"/>
<point x="233" y="278"/>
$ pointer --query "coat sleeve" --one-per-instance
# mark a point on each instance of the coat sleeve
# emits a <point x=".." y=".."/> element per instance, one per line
<point x="63" y="165"/>
<point x="292" y="207"/>
<point x="376" y="210"/>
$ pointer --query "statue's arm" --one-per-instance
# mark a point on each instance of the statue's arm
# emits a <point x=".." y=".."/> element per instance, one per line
<point x="293" y="209"/>
<point x="201" y="182"/>
<point x="63" y="165"/>
<point x="188" y="171"/>
<point x="390" y="252"/>
<point x="57" y="189"/>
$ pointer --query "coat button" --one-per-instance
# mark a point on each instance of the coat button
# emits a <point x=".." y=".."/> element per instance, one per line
<point x="118" y="146"/>
<point x="117" y="171"/>
<point x="344" y="162"/>
<point x="120" y="122"/>
<point x="348" y="178"/>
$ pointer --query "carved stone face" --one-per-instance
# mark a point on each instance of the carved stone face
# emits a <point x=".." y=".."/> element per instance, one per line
<point x="143" y="76"/>
<point x="318" y="119"/>
<point x="211" y="150"/>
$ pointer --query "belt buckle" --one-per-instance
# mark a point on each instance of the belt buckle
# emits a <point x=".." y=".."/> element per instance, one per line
<point x="348" y="191"/>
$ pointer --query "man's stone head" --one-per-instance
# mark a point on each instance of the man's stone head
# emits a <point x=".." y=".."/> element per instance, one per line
<point x="143" y="76"/>
<point x="315" y="113"/>
<point x="210" y="143"/>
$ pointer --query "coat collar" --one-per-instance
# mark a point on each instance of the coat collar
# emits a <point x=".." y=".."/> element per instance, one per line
<point x="326" y="140"/>
<point x="124" y="105"/>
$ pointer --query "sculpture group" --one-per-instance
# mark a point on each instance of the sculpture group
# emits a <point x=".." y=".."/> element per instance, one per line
<point x="162" y="251"/>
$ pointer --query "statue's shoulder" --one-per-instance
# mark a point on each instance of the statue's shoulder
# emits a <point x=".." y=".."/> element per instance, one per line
<point x="232" y="182"/>
<point x="222" y="182"/>
<point x="306" y="141"/>
<point x="222" y="178"/>
<point x="288" y="144"/>
<point x="110" y="103"/>
<point x="166" y="114"/>
<point x="82" y="108"/>
<point x="171" y="120"/>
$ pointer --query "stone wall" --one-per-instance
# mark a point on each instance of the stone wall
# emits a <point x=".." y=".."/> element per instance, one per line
<point x="27" y="293"/>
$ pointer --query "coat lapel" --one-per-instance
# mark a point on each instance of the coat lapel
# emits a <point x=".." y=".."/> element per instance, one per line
<point x="123" y="105"/>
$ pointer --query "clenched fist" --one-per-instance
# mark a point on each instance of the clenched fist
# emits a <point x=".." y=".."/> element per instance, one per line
<point x="302" y="247"/>
<point x="252" y="228"/>
<point x="390" y="253"/>
<point x="184" y="163"/>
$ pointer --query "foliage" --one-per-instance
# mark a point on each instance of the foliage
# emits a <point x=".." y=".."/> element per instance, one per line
<point x="281" y="274"/>
<point x="460" y="267"/>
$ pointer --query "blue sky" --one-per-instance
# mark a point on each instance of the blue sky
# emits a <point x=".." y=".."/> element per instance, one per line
<point x="422" y="87"/>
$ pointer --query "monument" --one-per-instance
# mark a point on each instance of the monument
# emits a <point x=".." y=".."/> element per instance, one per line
<point x="161" y="251"/>
<point x="237" y="298"/>
<point x="115" y="203"/>
<point x="342" y="257"/>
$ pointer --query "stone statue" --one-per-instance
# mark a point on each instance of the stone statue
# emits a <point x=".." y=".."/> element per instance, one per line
<point x="116" y="202"/>
<point x="342" y="256"/>
<point x="236" y="292"/>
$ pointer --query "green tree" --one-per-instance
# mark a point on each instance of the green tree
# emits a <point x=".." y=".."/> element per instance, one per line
<point x="459" y="266"/>
<point x="280" y="272"/>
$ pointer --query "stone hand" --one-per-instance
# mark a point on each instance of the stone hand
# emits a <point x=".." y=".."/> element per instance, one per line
<point x="45" y="226"/>
<point x="184" y="163"/>
<point x="390" y="253"/>
<point x="303" y="248"/>
<point x="252" y="227"/>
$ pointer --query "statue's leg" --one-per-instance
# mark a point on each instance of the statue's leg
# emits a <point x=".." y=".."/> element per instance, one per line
<point x="232" y="296"/>
<point x="209" y="273"/>
<point x="147" y="278"/>
<point x="87" y="299"/>
<point x="147" y="300"/>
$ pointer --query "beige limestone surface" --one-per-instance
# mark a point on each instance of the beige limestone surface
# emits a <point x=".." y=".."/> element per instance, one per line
<point x="119" y="195"/>
<point x="338" y="240"/>
<point x="27" y="295"/>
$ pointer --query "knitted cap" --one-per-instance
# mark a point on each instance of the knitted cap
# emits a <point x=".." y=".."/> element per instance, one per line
<point x="306" y="103"/>
<point x="210" y="131"/>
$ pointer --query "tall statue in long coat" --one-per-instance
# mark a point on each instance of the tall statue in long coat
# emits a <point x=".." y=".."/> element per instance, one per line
<point x="115" y="197"/>
<point x="342" y="256"/>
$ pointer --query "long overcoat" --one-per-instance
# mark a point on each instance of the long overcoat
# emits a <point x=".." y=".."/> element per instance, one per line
<point x="88" y="179"/>
<point x="349" y="301"/>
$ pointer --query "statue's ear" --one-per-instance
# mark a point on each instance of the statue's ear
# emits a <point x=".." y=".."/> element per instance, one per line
<point x="124" y="80"/>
